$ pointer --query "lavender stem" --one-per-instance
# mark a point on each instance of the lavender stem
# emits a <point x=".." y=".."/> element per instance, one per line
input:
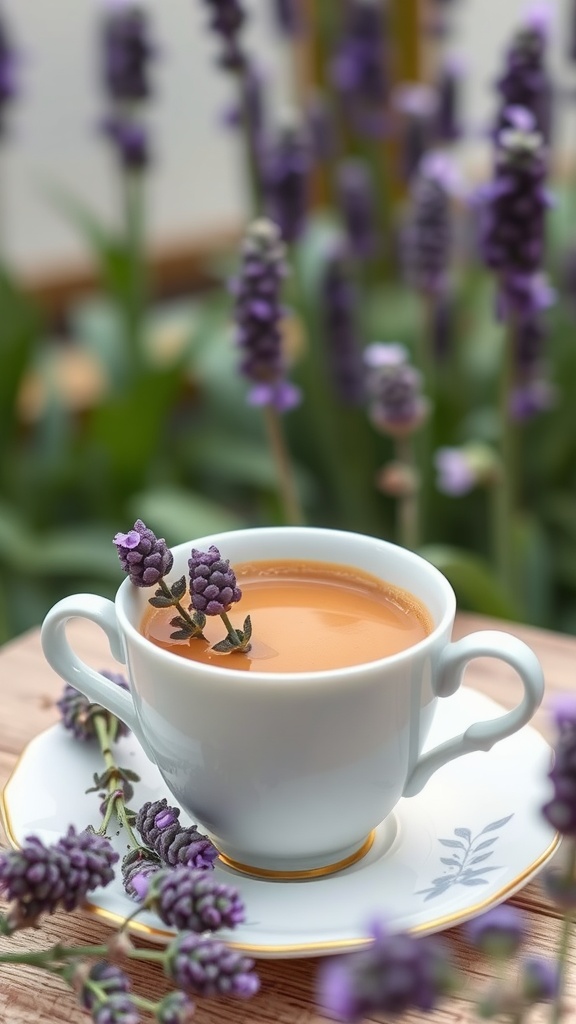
<point x="117" y="804"/>
<point x="408" y="504"/>
<point x="182" y="611"/>
<point x="293" y="512"/>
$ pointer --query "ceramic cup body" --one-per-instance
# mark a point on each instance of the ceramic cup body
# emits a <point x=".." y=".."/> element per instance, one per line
<point x="292" y="772"/>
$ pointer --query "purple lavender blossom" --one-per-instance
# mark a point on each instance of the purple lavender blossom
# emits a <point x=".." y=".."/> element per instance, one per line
<point x="227" y="18"/>
<point x="8" y="72"/>
<point x="395" y="974"/>
<point x="525" y="81"/>
<point x="540" y="980"/>
<point x="111" y="1003"/>
<point x="175" y="1008"/>
<point x="417" y="105"/>
<point x="193" y="900"/>
<point x="287" y="179"/>
<point x="338" y="301"/>
<point x="205" y="965"/>
<point x="40" y="879"/>
<point x="144" y="557"/>
<point x="161" y="830"/>
<point x="427" y="242"/>
<point x="137" y="867"/>
<point x="560" y="810"/>
<point x="258" y="318"/>
<point x="397" y="406"/>
<point x="127" y="51"/>
<point x="358" y="208"/>
<point x="213" y="586"/>
<point x="513" y="214"/>
<point x="288" y="17"/>
<point x="77" y="713"/>
<point x="359" y="70"/>
<point x="461" y="469"/>
<point x="130" y="140"/>
<point x="499" y="932"/>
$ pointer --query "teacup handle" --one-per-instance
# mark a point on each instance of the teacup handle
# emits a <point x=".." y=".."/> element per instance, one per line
<point x="482" y="735"/>
<point x="96" y="687"/>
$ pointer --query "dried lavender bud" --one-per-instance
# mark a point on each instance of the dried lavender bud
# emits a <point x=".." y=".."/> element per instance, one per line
<point x="338" y="301"/>
<point x="207" y="966"/>
<point x="360" y="71"/>
<point x="395" y="974"/>
<point x="130" y="140"/>
<point x="499" y="932"/>
<point x="525" y="81"/>
<point x="258" y="317"/>
<point x="144" y="557"/>
<point x="139" y="864"/>
<point x="193" y="900"/>
<point x="227" y="19"/>
<point x="40" y="879"/>
<point x="397" y="406"/>
<point x="428" y="234"/>
<point x="127" y="51"/>
<point x="77" y="712"/>
<point x="213" y="586"/>
<point x="175" y="1008"/>
<point x="358" y="207"/>
<point x="287" y="170"/>
<point x="160" y="829"/>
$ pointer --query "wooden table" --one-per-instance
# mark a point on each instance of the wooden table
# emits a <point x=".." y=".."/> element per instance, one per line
<point x="27" y="693"/>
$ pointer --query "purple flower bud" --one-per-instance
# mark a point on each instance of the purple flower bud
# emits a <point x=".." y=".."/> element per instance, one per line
<point x="395" y="974"/>
<point x="360" y="72"/>
<point x="288" y="17"/>
<point x="227" y="19"/>
<point x="8" y="72"/>
<point x="525" y="81"/>
<point x="213" y="586"/>
<point x="175" y="1008"/>
<point x="205" y="965"/>
<point x="418" y="106"/>
<point x="560" y="810"/>
<point x="39" y="879"/>
<point x="427" y="242"/>
<point x="127" y="51"/>
<point x="448" y="115"/>
<point x="193" y="900"/>
<point x="130" y="140"/>
<point x="258" y="317"/>
<point x="144" y="557"/>
<point x="397" y="406"/>
<point x="77" y="712"/>
<point x="500" y="932"/>
<point x="358" y="206"/>
<point x="461" y="469"/>
<point x="137" y="867"/>
<point x="540" y="980"/>
<point x="287" y="179"/>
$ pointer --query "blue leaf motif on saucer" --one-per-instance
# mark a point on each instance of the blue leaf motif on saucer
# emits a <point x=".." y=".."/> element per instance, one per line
<point x="467" y="852"/>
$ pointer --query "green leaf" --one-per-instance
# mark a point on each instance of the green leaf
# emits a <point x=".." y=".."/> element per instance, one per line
<point x="178" y="589"/>
<point x="182" y="515"/>
<point x="474" y="582"/>
<point x="160" y="601"/>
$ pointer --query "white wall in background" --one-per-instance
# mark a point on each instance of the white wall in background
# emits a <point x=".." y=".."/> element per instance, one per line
<point x="197" y="184"/>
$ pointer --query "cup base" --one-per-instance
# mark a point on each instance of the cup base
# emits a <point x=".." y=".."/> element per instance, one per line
<point x="296" y="874"/>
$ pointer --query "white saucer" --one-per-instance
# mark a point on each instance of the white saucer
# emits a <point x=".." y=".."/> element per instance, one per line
<point x="471" y="839"/>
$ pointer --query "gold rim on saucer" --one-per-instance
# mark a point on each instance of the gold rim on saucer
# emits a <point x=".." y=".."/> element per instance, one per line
<point x="295" y="876"/>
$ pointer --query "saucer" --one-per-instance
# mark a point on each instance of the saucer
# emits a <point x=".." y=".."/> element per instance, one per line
<point x="472" y="838"/>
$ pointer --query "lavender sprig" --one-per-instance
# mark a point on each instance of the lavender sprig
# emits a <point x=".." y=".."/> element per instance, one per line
<point x="213" y="590"/>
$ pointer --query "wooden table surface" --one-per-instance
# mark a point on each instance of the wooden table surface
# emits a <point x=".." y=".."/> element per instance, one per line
<point x="27" y="692"/>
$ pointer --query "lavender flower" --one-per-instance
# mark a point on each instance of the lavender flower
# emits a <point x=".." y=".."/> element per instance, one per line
<point x="512" y="232"/>
<point x="287" y="170"/>
<point x="160" y="829"/>
<point x="130" y="140"/>
<point x="78" y="713"/>
<point x="175" y="1008"/>
<point x="417" y="106"/>
<point x="358" y="207"/>
<point x="127" y="51"/>
<point x="338" y="308"/>
<point x="288" y="18"/>
<point x="540" y="980"/>
<point x="227" y="19"/>
<point x="498" y="933"/>
<point x="106" y="994"/>
<point x="427" y="242"/>
<point x="525" y="81"/>
<point x="207" y="966"/>
<point x="193" y="900"/>
<point x="560" y="810"/>
<point x="461" y="469"/>
<point x="213" y="586"/>
<point x="8" y="72"/>
<point x="259" y="315"/>
<point x="397" y="406"/>
<point x="137" y="867"/>
<point x="359" y="70"/>
<point x="395" y="974"/>
<point x="144" y="557"/>
<point x="39" y="879"/>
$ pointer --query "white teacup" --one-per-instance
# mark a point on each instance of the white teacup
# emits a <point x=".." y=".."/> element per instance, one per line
<point x="290" y="773"/>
